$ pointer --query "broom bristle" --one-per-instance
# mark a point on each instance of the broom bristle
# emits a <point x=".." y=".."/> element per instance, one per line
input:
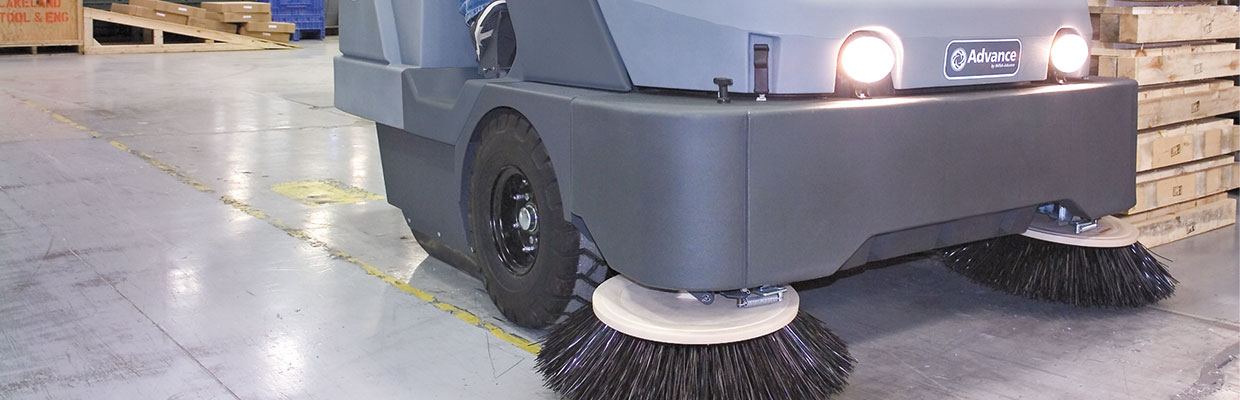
<point x="583" y="358"/>
<point x="1129" y="276"/>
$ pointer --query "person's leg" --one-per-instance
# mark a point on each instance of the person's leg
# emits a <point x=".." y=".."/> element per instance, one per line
<point x="494" y="39"/>
<point x="471" y="8"/>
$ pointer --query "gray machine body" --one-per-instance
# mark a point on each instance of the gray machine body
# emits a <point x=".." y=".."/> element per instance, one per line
<point x="674" y="43"/>
<point x="678" y="191"/>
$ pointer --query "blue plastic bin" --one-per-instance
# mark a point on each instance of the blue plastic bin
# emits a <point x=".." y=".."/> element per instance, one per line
<point x="307" y="14"/>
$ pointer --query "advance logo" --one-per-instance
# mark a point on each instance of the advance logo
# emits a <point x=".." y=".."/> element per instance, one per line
<point x="973" y="59"/>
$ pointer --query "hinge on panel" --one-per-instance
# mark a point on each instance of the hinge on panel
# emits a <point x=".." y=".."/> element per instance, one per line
<point x="761" y="70"/>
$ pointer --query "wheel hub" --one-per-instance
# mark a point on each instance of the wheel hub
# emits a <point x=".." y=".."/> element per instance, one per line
<point x="514" y="220"/>
<point x="527" y="218"/>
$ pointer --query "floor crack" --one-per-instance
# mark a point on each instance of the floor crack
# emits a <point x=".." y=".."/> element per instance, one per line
<point x="1212" y="377"/>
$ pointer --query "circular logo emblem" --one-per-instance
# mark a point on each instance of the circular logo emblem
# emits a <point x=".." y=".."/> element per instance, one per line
<point x="959" y="59"/>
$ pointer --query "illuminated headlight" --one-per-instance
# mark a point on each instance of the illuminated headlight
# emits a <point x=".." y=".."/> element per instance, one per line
<point x="867" y="59"/>
<point x="1069" y="52"/>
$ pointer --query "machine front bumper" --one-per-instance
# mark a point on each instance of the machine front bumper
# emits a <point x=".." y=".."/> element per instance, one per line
<point x="681" y="192"/>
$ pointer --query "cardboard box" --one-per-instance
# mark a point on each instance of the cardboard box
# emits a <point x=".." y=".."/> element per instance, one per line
<point x="273" y="36"/>
<point x="166" y="16"/>
<point x="123" y="9"/>
<point x="214" y="16"/>
<point x="212" y="25"/>
<point x="149" y="13"/>
<point x="237" y="6"/>
<point x="245" y="17"/>
<point x="271" y="27"/>
<point x="170" y="7"/>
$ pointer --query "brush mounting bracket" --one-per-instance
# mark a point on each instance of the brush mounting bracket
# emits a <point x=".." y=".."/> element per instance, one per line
<point x="751" y="297"/>
<point x="1110" y="232"/>
<point x="681" y="318"/>
<point x="1063" y="217"/>
<point x="759" y="296"/>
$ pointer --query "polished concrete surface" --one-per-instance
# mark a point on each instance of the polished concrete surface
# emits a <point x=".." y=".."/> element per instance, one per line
<point x="203" y="226"/>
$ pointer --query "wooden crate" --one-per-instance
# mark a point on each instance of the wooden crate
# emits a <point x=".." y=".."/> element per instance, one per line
<point x="42" y="23"/>
<point x="1184" y="220"/>
<point x="1188" y="142"/>
<point x="1186" y="182"/>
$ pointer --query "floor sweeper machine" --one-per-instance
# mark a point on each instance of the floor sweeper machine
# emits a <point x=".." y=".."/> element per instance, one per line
<point x="647" y="177"/>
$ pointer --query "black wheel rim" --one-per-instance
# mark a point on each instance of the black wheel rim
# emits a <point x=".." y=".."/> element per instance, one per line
<point x="514" y="221"/>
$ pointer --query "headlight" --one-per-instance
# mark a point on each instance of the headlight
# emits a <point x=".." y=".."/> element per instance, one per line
<point x="867" y="59"/>
<point x="1069" y="52"/>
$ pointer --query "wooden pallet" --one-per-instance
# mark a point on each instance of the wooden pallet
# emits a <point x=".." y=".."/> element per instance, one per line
<point x="1184" y="57"/>
<point x="1188" y="142"/>
<point x="1173" y="104"/>
<point x="212" y="40"/>
<point x="1178" y="63"/>
<point x="1146" y="24"/>
<point x="34" y="49"/>
<point x="1186" y="182"/>
<point x="1184" y="220"/>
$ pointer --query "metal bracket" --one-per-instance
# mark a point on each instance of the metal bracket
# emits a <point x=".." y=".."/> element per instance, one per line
<point x="761" y="70"/>
<point x="706" y="298"/>
<point x="723" y="96"/>
<point x="1063" y="217"/>
<point x="759" y="296"/>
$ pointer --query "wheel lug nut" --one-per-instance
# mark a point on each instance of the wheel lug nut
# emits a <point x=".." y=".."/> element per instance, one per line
<point x="529" y="249"/>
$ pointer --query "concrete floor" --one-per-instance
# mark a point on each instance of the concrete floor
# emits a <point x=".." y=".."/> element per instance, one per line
<point x="152" y="246"/>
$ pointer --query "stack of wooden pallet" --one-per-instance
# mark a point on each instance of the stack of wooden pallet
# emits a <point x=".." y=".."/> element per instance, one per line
<point x="1184" y="56"/>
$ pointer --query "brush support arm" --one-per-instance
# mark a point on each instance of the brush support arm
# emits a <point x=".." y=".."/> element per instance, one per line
<point x="1110" y="232"/>
<point x="680" y="318"/>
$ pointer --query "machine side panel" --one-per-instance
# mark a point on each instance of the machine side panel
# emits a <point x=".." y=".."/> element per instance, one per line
<point x="566" y="42"/>
<point x="438" y="101"/>
<point x="359" y="31"/>
<point x="433" y="34"/>
<point x="421" y="181"/>
<point x="422" y="33"/>
<point x="824" y="180"/>
<point x="368" y="73"/>
<point x="669" y="50"/>
<point x="662" y="190"/>
<point x="369" y="90"/>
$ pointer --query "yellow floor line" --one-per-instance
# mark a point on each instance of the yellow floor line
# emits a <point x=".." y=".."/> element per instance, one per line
<point x="458" y="312"/>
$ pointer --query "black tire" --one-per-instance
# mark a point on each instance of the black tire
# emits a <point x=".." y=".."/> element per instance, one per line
<point x="532" y="288"/>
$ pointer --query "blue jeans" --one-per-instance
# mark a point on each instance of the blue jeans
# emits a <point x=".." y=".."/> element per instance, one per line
<point x="471" y="8"/>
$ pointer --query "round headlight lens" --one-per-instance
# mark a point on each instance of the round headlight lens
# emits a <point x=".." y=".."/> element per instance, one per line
<point x="1069" y="52"/>
<point x="867" y="59"/>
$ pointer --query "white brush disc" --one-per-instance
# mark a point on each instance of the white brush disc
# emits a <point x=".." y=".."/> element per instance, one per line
<point x="1110" y="233"/>
<point x="678" y="318"/>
